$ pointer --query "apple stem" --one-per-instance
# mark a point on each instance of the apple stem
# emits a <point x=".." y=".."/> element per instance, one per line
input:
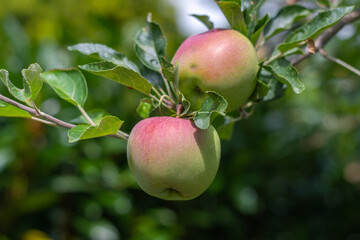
<point x="179" y="109"/>
<point x="156" y="92"/>
<point x="168" y="89"/>
<point x="162" y="101"/>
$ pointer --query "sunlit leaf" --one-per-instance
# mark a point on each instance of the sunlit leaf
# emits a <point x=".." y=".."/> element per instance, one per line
<point x="70" y="85"/>
<point x="251" y="14"/>
<point x="258" y="28"/>
<point x="286" y="73"/>
<point x="16" y="92"/>
<point x="8" y="110"/>
<point x="145" y="107"/>
<point x="32" y="83"/>
<point x="205" y="20"/>
<point x="233" y="14"/>
<point x="285" y="19"/>
<point x="103" y="52"/>
<point x="119" y="74"/>
<point x="107" y="126"/>
<point x="150" y="45"/>
<point x="313" y="28"/>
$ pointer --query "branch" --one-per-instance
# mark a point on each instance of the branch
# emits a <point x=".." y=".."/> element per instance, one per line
<point x="58" y="122"/>
<point x="324" y="38"/>
<point x="340" y="62"/>
<point x="50" y="120"/>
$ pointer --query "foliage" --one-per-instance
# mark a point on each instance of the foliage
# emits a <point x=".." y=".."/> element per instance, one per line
<point x="286" y="169"/>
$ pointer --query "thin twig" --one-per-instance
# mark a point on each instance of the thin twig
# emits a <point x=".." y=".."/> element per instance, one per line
<point x="36" y="108"/>
<point x="121" y="135"/>
<point x="43" y="121"/>
<point x="84" y="113"/>
<point x="175" y="91"/>
<point x="48" y="119"/>
<point x="340" y="62"/>
<point x="324" y="38"/>
<point x="167" y="86"/>
<point x="164" y="102"/>
<point x="155" y="98"/>
<point x="162" y="94"/>
<point x="172" y="103"/>
<point x="58" y="122"/>
<point x="156" y="92"/>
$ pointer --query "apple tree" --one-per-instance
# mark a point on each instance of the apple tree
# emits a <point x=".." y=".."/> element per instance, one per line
<point x="192" y="99"/>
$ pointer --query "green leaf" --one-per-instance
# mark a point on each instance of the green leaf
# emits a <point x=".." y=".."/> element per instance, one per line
<point x="312" y="29"/>
<point x="107" y="126"/>
<point x="70" y="85"/>
<point x="16" y="92"/>
<point x="185" y="103"/>
<point x="258" y="28"/>
<point x="8" y="110"/>
<point x="205" y="20"/>
<point x="251" y="12"/>
<point x="328" y="3"/>
<point x="103" y="52"/>
<point x="96" y="115"/>
<point x="214" y="103"/>
<point x="286" y="73"/>
<point x="161" y="110"/>
<point x="260" y="91"/>
<point x="268" y="87"/>
<point x="285" y="19"/>
<point x="323" y="3"/>
<point x="233" y="14"/>
<point x="150" y="45"/>
<point x="32" y="83"/>
<point x="145" y="107"/>
<point x="224" y="126"/>
<point x="119" y="74"/>
<point x="171" y="72"/>
<point x="152" y="76"/>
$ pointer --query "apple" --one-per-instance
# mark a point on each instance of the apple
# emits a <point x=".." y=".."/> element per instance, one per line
<point x="170" y="158"/>
<point x="220" y="60"/>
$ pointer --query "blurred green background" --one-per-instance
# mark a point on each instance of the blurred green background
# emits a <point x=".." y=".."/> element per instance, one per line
<point x="291" y="171"/>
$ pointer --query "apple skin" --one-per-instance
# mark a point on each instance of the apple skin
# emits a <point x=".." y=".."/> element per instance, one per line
<point x="220" y="60"/>
<point x="171" y="158"/>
